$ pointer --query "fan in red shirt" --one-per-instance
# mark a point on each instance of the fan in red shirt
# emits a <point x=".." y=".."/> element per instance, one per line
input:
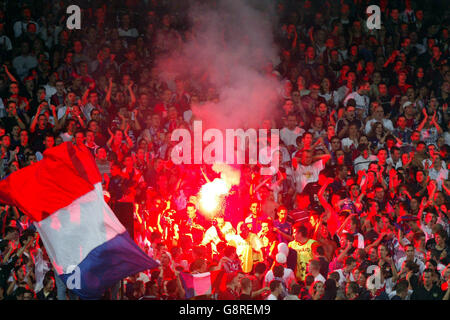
<point x="233" y="287"/>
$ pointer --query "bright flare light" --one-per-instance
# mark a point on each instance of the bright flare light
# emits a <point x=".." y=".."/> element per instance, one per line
<point x="211" y="195"/>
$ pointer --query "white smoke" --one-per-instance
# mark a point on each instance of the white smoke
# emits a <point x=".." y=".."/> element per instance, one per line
<point x="227" y="173"/>
<point x="230" y="49"/>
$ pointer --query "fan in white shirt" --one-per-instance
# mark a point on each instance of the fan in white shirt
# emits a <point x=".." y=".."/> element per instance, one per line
<point x="288" y="274"/>
<point x="314" y="270"/>
<point x="426" y="225"/>
<point x="21" y="26"/>
<point x="71" y="100"/>
<point x="378" y="116"/>
<point x="361" y="97"/>
<point x="410" y="256"/>
<point x="395" y="159"/>
<point x="124" y="30"/>
<point x="352" y="139"/>
<point x="438" y="171"/>
<point x="276" y="288"/>
<point x="346" y="272"/>
<point x="362" y="162"/>
<point x="308" y="171"/>
<point x="25" y="62"/>
<point x="290" y="133"/>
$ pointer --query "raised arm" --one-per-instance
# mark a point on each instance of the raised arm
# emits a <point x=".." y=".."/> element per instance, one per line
<point x="323" y="157"/>
<point x="375" y="243"/>
<point x="445" y="187"/>
<point x="7" y="254"/>
<point x="9" y="74"/>
<point x="344" y="130"/>
<point x="108" y="93"/>
<point x="77" y="115"/>
<point x="10" y="289"/>
<point x="425" y="119"/>
<point x="204" y="175"/>
<point x="391" y="58"/>
<point x="342" y="226"/>
<point x="132" y="96"/>
<point x="344" y="252"/>
<point x="55" y="117"/>
<point x="34" y="122"/>
<point x="381" y="180"/>
<point x="393" y="268"/>
<point x="136" y="123"/>
<point x="262" y="183"/>
<point x="123" y="122"/>
<point x="400" y="238"/>
<point x="62" y="121"/>
<point x="322" y="199"/>
<point x="111" y="136"/>
<point x="433" y="121"/>
<point x="127" y="138"/>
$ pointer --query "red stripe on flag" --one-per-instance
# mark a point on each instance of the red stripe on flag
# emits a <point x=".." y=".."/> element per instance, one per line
<point x="84" y="163"/>
<point x="218" y="281"/>
<point x="65" y="174"/>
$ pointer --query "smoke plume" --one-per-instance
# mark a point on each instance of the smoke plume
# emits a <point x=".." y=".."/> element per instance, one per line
<point x="227" y="173"/>
<point x="231" y="49"/>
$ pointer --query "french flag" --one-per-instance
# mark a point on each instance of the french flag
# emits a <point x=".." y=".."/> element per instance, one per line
<point x="63" y="195"/>
<point x="203" y="283"/>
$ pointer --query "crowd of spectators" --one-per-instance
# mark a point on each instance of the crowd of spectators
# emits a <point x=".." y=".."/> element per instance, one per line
<point x="358" y="209"/>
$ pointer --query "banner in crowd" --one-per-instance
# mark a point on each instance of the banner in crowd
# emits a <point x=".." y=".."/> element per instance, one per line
<point x="203" y="283"/>
<point x="63" y="195"/>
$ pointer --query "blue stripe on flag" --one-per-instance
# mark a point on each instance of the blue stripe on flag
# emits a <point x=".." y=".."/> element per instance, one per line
<point x="107" y="264"/>
<point x="187" y="281"/>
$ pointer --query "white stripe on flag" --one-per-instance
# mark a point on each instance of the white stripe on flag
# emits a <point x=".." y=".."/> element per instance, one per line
<point x="71" y="233"/>
<point x="202" y="283"/>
